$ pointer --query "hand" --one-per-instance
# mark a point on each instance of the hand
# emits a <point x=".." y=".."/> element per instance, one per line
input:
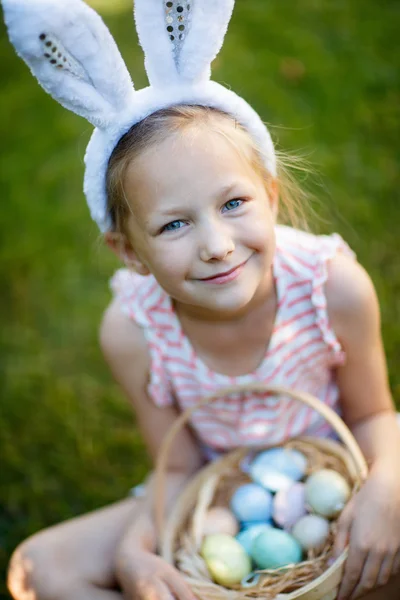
<point x="145" y="576"/>
<point x="370" y="524"/>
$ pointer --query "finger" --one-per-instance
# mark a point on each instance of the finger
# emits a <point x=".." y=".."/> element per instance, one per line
<point x="352" y="572"/>
<point x="157" y="590"/>
<point x="343" y="532"/>
<point x="178" y="585"/>
<point x="148" y="590"/>
<point x="386" y="570"/>
<point x="341" y="542"/>
<point x="369" y="575"/>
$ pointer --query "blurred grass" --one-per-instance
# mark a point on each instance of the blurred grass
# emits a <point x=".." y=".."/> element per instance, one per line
<point x="326" y="74"/>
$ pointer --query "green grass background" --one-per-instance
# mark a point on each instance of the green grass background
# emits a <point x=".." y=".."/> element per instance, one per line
<point x="325" y="73"/>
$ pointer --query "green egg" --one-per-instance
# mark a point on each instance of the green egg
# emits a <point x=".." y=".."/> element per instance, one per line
<point x="275" y="548"/>
<point x="225" y="558"/>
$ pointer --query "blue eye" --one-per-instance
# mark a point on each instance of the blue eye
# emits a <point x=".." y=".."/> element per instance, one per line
<point x="173" y="226"/>
<point x="232" y="204"/>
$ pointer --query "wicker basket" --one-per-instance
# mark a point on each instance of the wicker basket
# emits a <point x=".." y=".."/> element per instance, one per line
<point x="184" y="522"/>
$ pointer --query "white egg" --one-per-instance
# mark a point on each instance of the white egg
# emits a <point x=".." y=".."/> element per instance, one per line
<point x="327" y="493"/>
<point x="311" y="532"/>
<point x="220" y="520"/>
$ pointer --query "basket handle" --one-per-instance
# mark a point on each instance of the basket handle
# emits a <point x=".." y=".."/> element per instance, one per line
<point x="325" y="411"/>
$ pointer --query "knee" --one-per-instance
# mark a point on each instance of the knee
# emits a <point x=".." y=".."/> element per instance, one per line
<point x="33" y="573"/>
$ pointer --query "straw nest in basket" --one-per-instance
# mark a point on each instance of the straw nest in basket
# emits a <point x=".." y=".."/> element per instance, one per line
<point x="181" y="534"/>
<point x="216" y="490"/>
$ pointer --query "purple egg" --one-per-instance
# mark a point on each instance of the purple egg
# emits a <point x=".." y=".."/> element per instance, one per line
<point x="289" y="506"/>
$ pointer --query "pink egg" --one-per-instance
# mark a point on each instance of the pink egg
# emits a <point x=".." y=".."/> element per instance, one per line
<point x="289" y="506"/>
<point x="220" y="520"/>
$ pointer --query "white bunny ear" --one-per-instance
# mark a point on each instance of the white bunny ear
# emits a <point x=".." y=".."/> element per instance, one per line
<point x="209" y="22"/>
<point x="73" y="55"/>
<point x="180" y="38"/>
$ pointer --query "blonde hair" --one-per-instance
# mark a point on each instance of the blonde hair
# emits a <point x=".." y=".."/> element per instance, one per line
<point x="155" y="128"/>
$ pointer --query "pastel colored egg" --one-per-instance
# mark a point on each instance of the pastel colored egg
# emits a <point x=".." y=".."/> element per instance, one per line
<point x="275" y="548"/>
<point x="289" y="506"/>
<point x="249" y="534"/>
<point x="327" y="493"/>
<point x="311" y="532"/>
<point x="250" y="580"/>
<point x="220" y="520"/>
<point x="247" y="524"/>
<point x="225" y="558"/>
<point x="251" y="502"/>
<point x="287" y="461"/>
<point x="270" y="478"/>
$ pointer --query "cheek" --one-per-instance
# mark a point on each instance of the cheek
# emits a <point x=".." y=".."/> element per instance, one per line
<point x="258" y="232"/>
<point x="171" y="259"/>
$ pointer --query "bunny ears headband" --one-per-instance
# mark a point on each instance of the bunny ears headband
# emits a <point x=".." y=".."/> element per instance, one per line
<point x="73" y="55"/>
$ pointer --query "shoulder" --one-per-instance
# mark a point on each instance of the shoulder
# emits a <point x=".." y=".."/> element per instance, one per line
<point x="351" y="298"/>
<point x="307" y="254"/>
<point x="121" y="339"/>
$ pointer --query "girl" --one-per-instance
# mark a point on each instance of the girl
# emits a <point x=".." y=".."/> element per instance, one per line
<point x="215" y="292"/>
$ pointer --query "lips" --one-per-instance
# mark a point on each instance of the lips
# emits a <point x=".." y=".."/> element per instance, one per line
<point x="225" y="274"/>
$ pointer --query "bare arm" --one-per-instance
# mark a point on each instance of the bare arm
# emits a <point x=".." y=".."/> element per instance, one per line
<point x="370" y="521"/>
<point x="365" y="396"/>
<point x="125" y="350"/>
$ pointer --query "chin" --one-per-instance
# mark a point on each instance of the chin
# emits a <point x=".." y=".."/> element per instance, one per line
<point x="231" y="301"/>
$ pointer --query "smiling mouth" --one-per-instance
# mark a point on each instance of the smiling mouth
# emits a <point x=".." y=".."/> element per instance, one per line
<point x="225" y="274"/>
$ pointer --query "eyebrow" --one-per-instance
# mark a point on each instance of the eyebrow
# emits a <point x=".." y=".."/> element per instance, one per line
<point x="227" y="189"/>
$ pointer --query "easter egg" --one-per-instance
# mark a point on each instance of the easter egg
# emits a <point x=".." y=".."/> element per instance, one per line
<point x="275" y="548"/>
<point x="289" y="506"/>
<point x="220" y="520"/>
<point x="270" y="478"/>
<point x="287" y="461"/>
<point x="326" y="493"/>
<point x="247" y="524"/>
<point x="249" y="534"/>
<point x="225" y="558"/>
<point x="251" y="502"/>
<point x="311" y="532"/>
<point x="250" y="580"/>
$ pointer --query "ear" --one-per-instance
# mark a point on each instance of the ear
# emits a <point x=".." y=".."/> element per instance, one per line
<point x="73" y="55"/>
<point x="123" y="249"/>
<point x="180" y="38"/>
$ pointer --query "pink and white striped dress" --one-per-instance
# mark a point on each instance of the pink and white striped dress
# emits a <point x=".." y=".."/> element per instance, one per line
<point x="303" y="351"/>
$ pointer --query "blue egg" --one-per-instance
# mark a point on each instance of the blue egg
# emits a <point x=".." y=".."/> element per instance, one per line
<point x="250" y="580"/>
<point x="247" y="524"/>
<point x="270" y="478"/>
<point x="275" y="548"/>
<point x="287" y="461"/>
<point x="249" y="534"/>
<point x="251" y="502"/>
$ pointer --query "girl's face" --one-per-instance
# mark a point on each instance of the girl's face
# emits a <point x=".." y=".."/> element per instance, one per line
<point x="202" y="222"/>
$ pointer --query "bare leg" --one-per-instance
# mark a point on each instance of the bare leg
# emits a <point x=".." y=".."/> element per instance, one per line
<point x="73" y="560"/>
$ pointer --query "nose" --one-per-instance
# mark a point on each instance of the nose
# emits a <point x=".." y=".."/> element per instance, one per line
<point x="216" y="243"/>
